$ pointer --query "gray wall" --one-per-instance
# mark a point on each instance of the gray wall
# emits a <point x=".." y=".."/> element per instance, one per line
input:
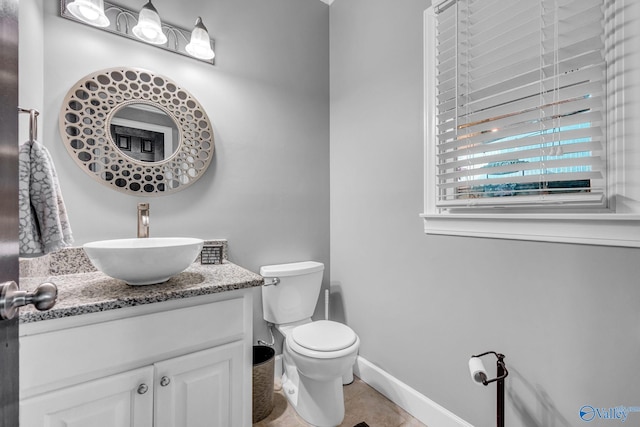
<point x="267" y="189"/>
<point x="566" y="316"/>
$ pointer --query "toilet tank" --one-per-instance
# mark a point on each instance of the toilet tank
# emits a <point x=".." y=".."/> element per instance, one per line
<point x="295" y="297"/>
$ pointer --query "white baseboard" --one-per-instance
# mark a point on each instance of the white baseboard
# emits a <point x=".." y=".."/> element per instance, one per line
<point x="419" y="406"/>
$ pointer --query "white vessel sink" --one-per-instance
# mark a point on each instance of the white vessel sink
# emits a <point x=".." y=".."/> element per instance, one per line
<point x="143" y="261"/>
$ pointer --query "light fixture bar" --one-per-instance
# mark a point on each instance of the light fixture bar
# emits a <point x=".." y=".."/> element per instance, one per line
<point x="122" y="21"/>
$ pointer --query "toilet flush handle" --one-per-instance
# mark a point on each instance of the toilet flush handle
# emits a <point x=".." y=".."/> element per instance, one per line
<point x="274" y="282"/>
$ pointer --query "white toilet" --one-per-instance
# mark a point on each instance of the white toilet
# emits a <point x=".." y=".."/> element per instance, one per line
<point x="318" y="355"/>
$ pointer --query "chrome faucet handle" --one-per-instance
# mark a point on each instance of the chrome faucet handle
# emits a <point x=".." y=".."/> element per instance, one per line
<point x="11" y="298"/>
<point x="143" y="220"/>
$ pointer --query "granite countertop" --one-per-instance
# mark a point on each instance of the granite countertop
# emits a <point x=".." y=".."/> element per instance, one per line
<point x="91" y="291"/>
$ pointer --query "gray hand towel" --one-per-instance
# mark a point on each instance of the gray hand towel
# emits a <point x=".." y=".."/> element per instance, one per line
<point x="44" y="225"/>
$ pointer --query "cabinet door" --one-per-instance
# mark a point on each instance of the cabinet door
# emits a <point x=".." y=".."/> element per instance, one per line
<point x="116" y="401"/>
<point x="202" y="389"/>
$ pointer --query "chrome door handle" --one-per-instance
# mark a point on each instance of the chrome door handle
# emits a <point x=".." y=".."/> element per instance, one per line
<point x="164" y="381"/>
<point x="11" y="298"/>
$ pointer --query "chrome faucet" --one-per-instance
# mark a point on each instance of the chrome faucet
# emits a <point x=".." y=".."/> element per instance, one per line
<point x="143" y="220"/>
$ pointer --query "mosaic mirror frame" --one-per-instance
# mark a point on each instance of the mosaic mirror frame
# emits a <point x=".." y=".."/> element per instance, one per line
<point x="85" y="120"/>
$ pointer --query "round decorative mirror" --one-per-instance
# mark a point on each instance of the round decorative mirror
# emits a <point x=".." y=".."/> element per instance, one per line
<point x="136" y="131"/>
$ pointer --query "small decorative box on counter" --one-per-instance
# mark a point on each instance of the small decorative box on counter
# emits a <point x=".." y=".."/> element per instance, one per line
<point x="211" y="254"/>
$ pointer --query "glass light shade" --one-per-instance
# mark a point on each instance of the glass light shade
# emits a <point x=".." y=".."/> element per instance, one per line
<point x="149" y="28"/>
<point x="200" y="45"/>
<point x="89" y="11"/>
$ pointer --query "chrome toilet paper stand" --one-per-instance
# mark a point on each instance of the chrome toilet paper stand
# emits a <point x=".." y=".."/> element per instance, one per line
<point x="501" y="374"/>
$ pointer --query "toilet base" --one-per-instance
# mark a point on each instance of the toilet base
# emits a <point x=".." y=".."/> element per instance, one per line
<point x="320" y="403"/>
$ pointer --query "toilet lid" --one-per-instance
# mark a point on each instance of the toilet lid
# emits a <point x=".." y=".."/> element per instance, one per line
<point x="324" y="335"/>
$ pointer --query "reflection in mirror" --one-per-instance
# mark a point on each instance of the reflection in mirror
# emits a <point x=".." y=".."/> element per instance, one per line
<point x="144" y="132"/>
<point x="136" y="132"/>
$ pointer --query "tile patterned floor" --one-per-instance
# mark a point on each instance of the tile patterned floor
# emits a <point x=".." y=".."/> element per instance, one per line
<point x="362" y="403"/>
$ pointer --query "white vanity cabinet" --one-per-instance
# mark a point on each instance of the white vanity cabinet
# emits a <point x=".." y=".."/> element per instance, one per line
<point x="180" y="363"/>
<point x="117" y="400"/>
<point x="200" y="389"/>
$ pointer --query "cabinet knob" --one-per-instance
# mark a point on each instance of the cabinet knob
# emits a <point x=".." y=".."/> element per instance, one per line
<point x="143" y="388"/>
<point x="164" y="381"/>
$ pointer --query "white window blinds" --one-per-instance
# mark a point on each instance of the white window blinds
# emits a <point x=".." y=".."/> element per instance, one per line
<point x="520" y="103"/>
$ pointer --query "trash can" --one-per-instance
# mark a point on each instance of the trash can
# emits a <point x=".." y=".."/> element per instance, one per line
<point x="263" y="364"/>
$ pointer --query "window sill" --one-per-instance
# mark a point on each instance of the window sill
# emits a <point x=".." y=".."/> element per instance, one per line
<point x="589" y="229"/>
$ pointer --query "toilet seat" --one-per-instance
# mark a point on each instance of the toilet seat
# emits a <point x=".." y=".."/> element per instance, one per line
<point x="324" y="335"/>
<point x="323" y="339"/>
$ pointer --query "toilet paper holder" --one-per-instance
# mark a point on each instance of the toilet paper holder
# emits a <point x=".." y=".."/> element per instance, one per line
<point x="479" y="375"/>
<point x="502" y="368"/>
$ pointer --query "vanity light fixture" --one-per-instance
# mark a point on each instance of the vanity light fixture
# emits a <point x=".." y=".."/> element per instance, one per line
<point x="145" y="26"/>
<point x="200" y="44"/>
<point x="149" y="28"/>
<point x="89" y="11"/>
